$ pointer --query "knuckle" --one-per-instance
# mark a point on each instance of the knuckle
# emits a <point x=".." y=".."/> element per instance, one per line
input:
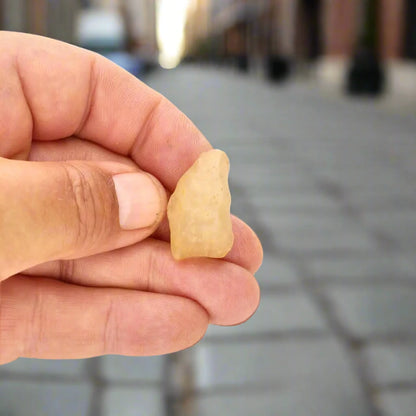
<point x="67" y="270"/>
<point x="109" y="333"/>
<point x="10" y="328"/>
<point x="148" y="272"/>
<point x="93" y="205"/>
<point x="35" y="332"/>
<point x="153" y="270"/>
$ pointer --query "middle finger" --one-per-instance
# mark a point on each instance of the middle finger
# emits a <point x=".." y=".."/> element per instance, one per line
<point x="228" y="292"/>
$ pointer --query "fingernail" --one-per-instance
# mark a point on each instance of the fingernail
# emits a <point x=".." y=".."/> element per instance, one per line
<point x="139" y="200"/>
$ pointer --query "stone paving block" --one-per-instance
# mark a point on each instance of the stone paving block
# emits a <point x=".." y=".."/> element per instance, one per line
<point x="297" y="231"/>
<point x="251" y="156"/>
<point x="367" y="177"/>
<point x="132" y="401"/>
<point x="314" y="221"/>
<point x="378" y="266"/>
<point x="277" y="313"/>
<point x="252" y="152"/>
<point x="225" y="130"/>
<point x="274" y="189"/>
<point x="278" y="190"/>
<point x="398" y="224"/>
<point x="277" y="271"/>
<point x="71" y="368"/>
<point x="399" y="403"/>
<point x="291" y="362"/>
<point x="245" y="151"/>
<point x="144" y="369"/>
<point x="324" y="159"/>
<point x="367" y="310"/>
<point x="408" y="165"/>
<point x="307" y="401"/>
<point x="390" y="364"/>
<point x="372" y="187"/>
<point x="397" y="197"/>
<point x="265" y="175"/>
<point x="242" y="210"/>
<point x="410" y="256"/>
<point x="21" y="398"/>
<point x="305" y="202"/>
<point x="310" y="241"/>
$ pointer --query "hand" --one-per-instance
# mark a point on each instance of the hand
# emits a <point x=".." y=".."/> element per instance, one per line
<point x="87" y="156"/>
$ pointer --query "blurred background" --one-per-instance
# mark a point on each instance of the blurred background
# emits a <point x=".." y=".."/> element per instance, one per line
<point x="314" y="101"/>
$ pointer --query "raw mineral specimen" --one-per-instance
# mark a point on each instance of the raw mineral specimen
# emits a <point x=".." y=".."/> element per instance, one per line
<point x="199" y="209"/>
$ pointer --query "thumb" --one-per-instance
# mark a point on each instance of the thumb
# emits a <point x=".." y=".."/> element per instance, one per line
<point x="63" y="210"/>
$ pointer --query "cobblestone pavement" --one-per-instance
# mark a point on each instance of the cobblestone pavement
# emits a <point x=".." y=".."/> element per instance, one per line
<point x="329" y="186"/>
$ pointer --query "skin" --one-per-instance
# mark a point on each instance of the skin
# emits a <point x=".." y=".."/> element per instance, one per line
<point x="116" y="291"/>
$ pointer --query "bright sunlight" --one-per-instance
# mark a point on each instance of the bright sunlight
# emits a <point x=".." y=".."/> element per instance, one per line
<point x="171" y="20"/>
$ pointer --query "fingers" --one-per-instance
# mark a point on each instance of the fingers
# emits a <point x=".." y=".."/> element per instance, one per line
<point x="60" y="90"/>
<point x="246" y="251"/>
<point x="43" y="318"/>
<point x="227" y="292"/>
<point x="53" y="210"/>
<point x="72" y="148"/>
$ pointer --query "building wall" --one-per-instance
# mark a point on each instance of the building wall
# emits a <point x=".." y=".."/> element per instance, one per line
<point x="14" y="15"/>
<point x="60" y="19"/>
<point x="142" y="19"/>
<point x="343" y="20"/>
<point x="285" y="26"/>
<point x="340" y="22"/>
<point x="53" y="19"/>
<point x="391" y="24"/>
<point x="198" y="28"/>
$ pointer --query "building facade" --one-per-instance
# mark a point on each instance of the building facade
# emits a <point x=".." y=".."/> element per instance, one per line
<point x="198" y="29"/>
<point x="48" y="18"/>
<point x="139" y="18"/>
<point x="57" y="19"/>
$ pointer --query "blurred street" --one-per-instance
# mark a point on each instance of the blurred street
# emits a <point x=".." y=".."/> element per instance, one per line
<point x="329" y="185"/>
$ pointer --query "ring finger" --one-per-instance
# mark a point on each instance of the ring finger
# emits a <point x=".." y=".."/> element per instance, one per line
<point x="229" y="293"/>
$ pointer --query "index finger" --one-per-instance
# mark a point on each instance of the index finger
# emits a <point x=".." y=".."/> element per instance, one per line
<point x="53" y="90"/>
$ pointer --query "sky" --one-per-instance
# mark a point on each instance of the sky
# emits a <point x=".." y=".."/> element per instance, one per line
<point x="171" y="20"/>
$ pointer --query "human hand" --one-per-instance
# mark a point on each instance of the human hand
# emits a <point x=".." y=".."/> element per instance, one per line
<point x="82" y="142"/>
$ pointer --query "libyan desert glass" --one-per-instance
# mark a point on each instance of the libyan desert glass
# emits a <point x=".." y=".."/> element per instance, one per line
<point x="199" y="209"/>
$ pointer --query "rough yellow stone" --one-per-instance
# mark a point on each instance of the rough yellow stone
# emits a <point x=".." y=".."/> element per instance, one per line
<point x="199" y="209"/>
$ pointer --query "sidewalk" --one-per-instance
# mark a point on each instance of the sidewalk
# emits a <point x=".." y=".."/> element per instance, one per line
<point x="329" y="185"/>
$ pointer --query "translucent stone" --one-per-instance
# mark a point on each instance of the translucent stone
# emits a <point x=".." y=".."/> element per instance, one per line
<point x="199" y="209"/>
